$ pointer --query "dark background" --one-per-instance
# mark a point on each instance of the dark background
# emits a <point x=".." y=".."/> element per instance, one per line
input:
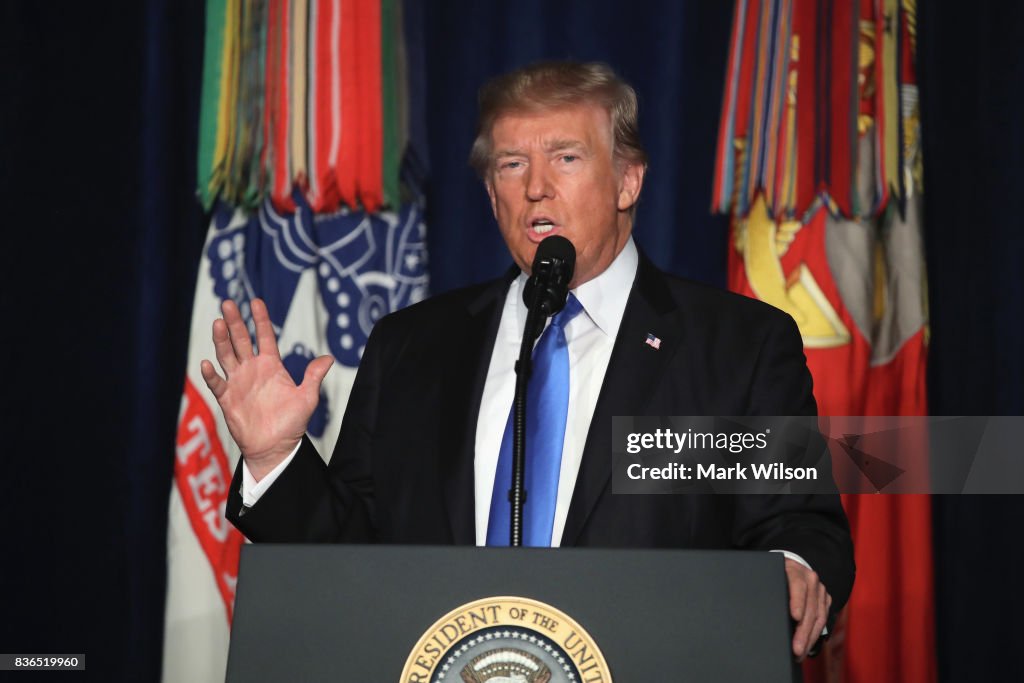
<point x="102" y="237"/>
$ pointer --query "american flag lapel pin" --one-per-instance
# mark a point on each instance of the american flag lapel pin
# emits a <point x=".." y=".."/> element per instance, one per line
<point x="653" y="341"/>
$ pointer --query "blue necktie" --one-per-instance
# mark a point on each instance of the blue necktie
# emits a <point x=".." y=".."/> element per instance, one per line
<point x="547" y="406"/>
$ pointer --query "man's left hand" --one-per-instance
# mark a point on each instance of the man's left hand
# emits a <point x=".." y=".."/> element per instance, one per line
<point x="808" y="605"/>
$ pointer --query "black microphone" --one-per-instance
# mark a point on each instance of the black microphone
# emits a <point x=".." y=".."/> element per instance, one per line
<point x="548" y="286"/>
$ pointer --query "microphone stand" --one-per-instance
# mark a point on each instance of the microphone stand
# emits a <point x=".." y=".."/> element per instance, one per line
<point x="524" y="367"/>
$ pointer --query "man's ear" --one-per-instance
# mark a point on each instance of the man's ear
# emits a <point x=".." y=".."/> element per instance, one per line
<point x="494" y="200"/>
<point x="629" y="185"/>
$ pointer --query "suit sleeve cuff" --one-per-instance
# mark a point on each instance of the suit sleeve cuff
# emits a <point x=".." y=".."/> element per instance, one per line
<point x="252" y="489"/>
<point x="790" y="555"/>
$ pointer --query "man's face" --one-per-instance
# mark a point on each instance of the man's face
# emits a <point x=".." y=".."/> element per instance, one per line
<point x="553" y="173"/>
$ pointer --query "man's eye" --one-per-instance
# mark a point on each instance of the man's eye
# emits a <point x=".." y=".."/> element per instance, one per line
<point x="510" y="165"/>
<point x="569" y="158"/>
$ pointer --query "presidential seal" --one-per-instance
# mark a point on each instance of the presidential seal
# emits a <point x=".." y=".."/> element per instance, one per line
<point x="505" y="640"/>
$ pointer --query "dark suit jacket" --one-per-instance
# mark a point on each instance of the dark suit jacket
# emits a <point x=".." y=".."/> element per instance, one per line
<point x="402" y="471"/>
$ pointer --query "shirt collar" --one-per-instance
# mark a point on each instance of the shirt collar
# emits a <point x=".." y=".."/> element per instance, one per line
<point x="603" y="298"/>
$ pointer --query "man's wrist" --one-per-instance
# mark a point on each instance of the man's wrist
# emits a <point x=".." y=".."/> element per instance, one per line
<point x="253" y="488"/>
<point x="261" y="465"/>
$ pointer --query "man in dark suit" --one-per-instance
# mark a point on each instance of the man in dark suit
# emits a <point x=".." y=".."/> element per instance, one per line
<point x="417" y="456"/>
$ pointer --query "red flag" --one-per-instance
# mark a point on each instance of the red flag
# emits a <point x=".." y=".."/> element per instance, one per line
<point x="277" y="149"/>
<point x="345" y="163"/>
<point x="325" y="103"/>
<point x="851" y="274"/>
<point x="371" y="138"/>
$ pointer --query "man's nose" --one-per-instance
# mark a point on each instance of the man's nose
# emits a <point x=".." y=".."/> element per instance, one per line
<point x="538" y="182"/>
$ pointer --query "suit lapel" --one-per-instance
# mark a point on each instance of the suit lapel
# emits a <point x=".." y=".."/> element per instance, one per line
<point x="634" y="371"/>
<point x="465" y="375"/>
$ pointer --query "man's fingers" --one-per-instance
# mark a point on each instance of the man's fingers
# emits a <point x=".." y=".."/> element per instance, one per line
<point x="222" y="347"/>
<point x="803" y="637"/>
<point x="265" y="339"/>
<point x="316" y="371"/>
<point x="240" y="341"/>
<point x="821" y="619"/>
<point x="214" y="381"/>
<point x="797" y="597"/>
<point x="797" y="610"/>
<point x="824" y="603"/>
<point x="815" y="617"/>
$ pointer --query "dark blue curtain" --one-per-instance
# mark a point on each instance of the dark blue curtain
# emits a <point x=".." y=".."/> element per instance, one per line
<point x="101" y="243"/>
<point x="102" y="239"/>
<point x="972" y="109"/>
<point x="171" y="230"/>
<point x="70" y="146"/>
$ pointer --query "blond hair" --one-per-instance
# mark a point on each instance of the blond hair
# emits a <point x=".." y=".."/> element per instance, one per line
<point x="550" y="85"/>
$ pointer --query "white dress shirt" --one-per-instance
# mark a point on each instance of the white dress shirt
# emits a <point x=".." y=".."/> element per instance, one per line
<point x="590" y="337"/>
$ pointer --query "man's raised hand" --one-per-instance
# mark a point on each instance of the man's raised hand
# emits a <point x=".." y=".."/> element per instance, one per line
<point x="265" y="411"/>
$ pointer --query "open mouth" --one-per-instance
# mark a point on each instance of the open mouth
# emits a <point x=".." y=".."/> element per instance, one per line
<point x="542" y="225"/>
